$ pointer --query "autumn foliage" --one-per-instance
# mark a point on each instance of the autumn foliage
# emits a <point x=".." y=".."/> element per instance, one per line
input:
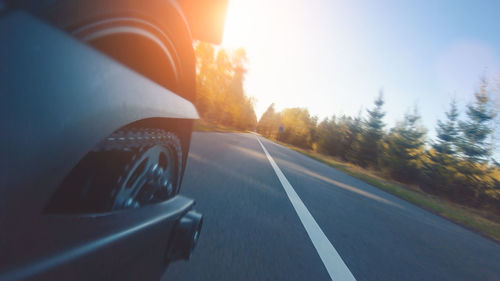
<point x="219" y="81"/>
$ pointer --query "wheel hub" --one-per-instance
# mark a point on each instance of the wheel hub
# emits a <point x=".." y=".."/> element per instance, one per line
<point x="150" y="178"/>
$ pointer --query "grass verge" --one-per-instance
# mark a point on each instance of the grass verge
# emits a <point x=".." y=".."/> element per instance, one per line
<point x="480" y="221"/>
<point x="201" y="125"/>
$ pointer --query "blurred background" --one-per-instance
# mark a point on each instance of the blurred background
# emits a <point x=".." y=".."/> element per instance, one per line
<point x="410" y="91"/>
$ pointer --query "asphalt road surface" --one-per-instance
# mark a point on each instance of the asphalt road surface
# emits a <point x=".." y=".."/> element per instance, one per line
<point x="298" y="219"/>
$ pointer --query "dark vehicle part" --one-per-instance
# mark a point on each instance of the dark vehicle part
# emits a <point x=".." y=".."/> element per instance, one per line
<point x="152" y="37"/>
<point x="185" y="236"/>
<point x="59" y="99"/>
<point x="129" y="169"/>
<point x="65" y="91"/>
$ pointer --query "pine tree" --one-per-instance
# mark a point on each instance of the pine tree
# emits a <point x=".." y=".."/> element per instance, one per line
<point x="355" y="137"/>
<point x="441" y="168"/>
<point x="447" y="132"/>
<point x="404" y="148"/>
<point x="372" y="134"/>
<point x="349" y="130"/>
<point x="474" y="146"/>
<point x="475" y="132"/>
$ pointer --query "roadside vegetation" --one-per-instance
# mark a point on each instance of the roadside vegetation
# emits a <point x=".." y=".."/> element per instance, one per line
<point x="482" y="221"/>
<point x="454" y="175"/>
<point x="457" y="165"/>
<point x="202" y="125"/>
<point x="221" y="100"/>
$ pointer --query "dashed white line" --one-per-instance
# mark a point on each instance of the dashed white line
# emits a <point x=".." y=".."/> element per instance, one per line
<point x="334" y="264"/>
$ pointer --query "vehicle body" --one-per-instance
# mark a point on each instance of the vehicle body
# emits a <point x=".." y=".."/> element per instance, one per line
<point x="77" y="79"/>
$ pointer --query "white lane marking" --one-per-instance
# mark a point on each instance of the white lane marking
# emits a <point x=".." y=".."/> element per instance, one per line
<point x="334" y="264"/>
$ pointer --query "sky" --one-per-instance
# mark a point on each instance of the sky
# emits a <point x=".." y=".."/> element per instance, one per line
<point x="333" y="57"/>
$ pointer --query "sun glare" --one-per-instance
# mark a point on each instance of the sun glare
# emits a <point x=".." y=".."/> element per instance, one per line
<point x="238" y="25"/>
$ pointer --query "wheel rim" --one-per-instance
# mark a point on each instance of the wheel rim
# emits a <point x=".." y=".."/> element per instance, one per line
<point x="150" y="178"/>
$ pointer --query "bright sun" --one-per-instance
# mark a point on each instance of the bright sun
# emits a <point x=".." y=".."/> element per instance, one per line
<point x="238" y="27"/>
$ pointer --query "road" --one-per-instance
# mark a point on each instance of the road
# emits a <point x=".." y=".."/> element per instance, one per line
<point x="254" y="229"/>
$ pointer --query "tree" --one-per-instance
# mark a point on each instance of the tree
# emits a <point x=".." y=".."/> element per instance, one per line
<point x="474" y="147"/>
<point x="441" y="168"/>
<point x="329" y="136"/>
<point x="404" y="148"/>
<point x="447" y="132"/>
<point x="355" y="136"/>
<point x="269" y="122"/>
<point x="475" y="132"/>
<point x="495" y="135"/>
<point x="299" y="127"/>
<point x="205" y="76"/>
<point x="220" y="93"/>
<point x="224" y="79"/>
<point x="248" y="119"/>
<point x="373" y="132"/>
<point x="335" y="136"/>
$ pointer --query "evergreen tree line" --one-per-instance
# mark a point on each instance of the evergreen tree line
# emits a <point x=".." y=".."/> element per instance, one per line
<point x="457" y="165"/>
<point x="219" y="84"/>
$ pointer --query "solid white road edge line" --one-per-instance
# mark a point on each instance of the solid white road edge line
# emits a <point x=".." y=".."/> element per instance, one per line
<point x="334" y="264"/>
